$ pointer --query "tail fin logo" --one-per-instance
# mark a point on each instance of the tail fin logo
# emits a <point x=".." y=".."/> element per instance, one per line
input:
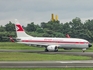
<point x="19" y="27"/>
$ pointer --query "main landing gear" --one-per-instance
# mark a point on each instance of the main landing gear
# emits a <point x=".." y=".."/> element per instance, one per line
<point x="46" y="50"/>
<point x="84" y="49"/>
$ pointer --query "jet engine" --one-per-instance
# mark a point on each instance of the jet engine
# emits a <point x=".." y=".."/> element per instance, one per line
<point x="51" y="48"/>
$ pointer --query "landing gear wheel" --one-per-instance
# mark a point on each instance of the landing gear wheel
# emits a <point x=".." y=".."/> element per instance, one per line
<point x="56" y="49"/>
<point x="84" y="49"/>
<point x="46" y="50"/>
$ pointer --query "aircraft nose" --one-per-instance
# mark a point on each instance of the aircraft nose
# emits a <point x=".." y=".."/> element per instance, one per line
<point x="89" y="45"/>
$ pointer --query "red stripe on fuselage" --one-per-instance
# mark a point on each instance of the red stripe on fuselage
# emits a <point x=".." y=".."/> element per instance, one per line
<point x="39" y="41"/>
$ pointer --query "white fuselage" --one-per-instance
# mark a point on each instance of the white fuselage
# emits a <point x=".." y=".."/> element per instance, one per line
<point x="60" y="42"/>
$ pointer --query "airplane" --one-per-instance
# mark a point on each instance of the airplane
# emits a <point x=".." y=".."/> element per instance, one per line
<point x="50" y="43"/>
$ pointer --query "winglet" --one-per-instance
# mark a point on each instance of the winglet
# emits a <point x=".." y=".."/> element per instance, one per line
<point x="67" y="35"/>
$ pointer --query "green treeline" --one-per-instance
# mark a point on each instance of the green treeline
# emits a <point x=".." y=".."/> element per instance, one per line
<point x="75" y="28"/>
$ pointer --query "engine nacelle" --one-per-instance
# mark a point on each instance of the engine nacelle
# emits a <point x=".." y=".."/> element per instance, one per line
<point x="52" y="48"/>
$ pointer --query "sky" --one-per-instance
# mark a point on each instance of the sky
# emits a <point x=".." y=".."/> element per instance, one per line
<point x="37" y="11"/>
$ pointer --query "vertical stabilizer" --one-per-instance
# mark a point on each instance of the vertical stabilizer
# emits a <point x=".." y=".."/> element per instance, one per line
<point x="19" y="30"/>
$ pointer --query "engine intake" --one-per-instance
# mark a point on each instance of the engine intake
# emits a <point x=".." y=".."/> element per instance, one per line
<point x="52" y="48"/>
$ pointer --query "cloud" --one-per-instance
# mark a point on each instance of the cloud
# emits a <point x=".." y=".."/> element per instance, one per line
<point x="38" y="11"/>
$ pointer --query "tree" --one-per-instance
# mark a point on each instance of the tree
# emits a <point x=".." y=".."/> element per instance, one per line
<point x="2" y="29"/>
<point x="76" y="23"/>
<point x="88" y="24"/>
<point x="39" y="30"/>
<point x="66" y="28"/>
<point x="74" y="28"/>
<point x="43" y="25"/>
<point x="10" y="27"/>
<point x="31" y="27"/>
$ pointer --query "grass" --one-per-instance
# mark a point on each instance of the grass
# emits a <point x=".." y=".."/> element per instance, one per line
<point x="46" y="68"/>
<point x="20" y="56"/>
<point x="16" y="46"/>
<point x="16" y="56"/>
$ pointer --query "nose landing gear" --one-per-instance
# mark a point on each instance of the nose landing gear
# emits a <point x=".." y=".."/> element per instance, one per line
<point x="84" y="49"/>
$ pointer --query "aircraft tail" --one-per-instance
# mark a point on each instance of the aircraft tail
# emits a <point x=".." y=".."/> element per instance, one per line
<point x="19" y="30"/>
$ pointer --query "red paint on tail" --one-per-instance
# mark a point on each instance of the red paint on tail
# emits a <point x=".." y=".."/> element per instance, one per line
<point x="19" y="27"/>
